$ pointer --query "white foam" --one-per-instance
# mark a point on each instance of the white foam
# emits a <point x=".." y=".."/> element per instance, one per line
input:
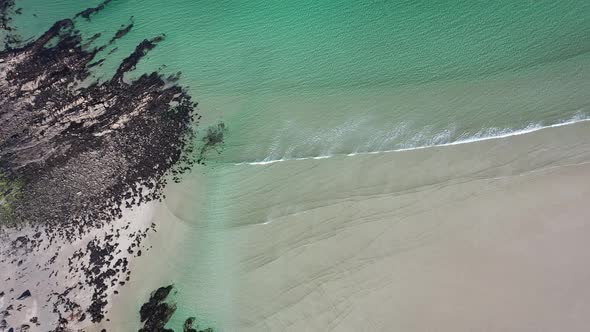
<point x="476" y="138"/>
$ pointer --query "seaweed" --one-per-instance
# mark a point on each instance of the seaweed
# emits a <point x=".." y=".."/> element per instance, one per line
<point x="10" y="193"/>
<point x="213" y="140"/>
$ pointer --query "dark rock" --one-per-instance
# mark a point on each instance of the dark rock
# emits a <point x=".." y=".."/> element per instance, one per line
<point x="155" y="313"/>
<point x="24" y="295"/>
<point x="121" y="32"/>
<point x="188" y="325"/>
<point x="86" y="13"/>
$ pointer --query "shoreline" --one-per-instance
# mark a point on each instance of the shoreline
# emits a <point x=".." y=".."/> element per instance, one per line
<point x="531" y="128"/>
<point x="153" y="269"/>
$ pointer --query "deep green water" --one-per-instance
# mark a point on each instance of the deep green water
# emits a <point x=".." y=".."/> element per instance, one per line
<point x="304" y="79"/>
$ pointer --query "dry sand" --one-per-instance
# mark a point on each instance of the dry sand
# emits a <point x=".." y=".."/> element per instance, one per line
<point x="45" y="272"/>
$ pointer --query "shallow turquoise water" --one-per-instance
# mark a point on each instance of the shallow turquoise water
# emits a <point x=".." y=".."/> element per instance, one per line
<point x="315" y="78"/>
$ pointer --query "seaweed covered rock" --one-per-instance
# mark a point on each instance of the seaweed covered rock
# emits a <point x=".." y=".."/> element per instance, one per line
<point x="188" y="326"/>
<point x="156" y="313"/>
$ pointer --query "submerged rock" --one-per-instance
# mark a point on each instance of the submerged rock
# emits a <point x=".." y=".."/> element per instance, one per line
<point x="5" y="8"/>
<point x="156" y="313"/>
<point x="86" y="13"/>
<point x="188" y="326"/>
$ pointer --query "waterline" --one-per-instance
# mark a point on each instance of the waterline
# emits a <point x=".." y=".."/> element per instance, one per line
<point x="476" y="138"/>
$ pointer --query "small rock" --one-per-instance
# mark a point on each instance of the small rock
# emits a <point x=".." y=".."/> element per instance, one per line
<point x="24" y="295"/>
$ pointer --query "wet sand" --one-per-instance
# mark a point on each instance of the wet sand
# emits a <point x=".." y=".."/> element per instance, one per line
<point x="150" y="271"/>
<point x="505" y="254"/>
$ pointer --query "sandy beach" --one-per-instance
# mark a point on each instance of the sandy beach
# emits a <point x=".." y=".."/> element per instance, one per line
<point x="485" y="236"/>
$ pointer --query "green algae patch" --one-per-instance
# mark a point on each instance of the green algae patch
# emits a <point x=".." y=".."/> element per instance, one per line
<point x="10" y="194"/>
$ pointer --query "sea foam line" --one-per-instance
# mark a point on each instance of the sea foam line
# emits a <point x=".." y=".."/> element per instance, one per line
<point x="529" y="129"/>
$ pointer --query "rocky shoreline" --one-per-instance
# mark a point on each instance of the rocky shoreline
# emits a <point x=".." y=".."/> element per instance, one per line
<point x="74" y="156"/>
<point x="81" y="154"/>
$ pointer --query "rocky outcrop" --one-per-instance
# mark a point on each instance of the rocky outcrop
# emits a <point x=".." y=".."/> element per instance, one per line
<point x="189" y="326"/>
<point x="81" y="153"/>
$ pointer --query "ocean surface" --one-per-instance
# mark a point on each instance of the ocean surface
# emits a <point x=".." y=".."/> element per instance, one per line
<point x="322" y="83"/>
